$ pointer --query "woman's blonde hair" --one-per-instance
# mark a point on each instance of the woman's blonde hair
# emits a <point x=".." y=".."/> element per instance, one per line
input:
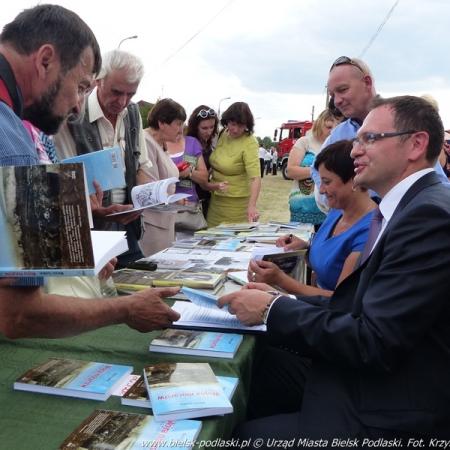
<point x="319" y="123"/>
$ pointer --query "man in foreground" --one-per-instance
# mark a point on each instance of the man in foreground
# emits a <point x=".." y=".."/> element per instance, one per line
<point x="43" y="78"/>
<point x="380" y="346"/>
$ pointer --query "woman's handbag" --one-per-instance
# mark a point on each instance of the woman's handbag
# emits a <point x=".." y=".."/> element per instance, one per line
<point x="191" y="218"/>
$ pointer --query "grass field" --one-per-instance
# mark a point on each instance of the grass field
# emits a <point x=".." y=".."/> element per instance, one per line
<point x="273" y="199"/>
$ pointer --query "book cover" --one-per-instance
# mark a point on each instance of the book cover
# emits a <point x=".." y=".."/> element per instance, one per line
<point x="44" y="219"/>
<point x="200" y="343"/>
<point x="206" y="280"/>
<point x="73" y="378"/>
<point x="286" y="261"/>
<point x="154" y="194"/>
<point x="137" y="394"/>
<point x="200" y="298"/>
<point x="184" y="391"/>
<point x="104" y="166"/>
<point x="105" y="429"/>
<point x="195" y="317"/>
<point x="238" y="276"/>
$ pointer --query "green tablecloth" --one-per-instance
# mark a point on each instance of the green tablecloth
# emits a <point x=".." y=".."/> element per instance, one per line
<point x="30" y="421"/>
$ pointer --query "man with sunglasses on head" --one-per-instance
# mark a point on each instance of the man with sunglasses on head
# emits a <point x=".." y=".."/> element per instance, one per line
<point x="351" y="85"/>
<point x="380" y="345"/>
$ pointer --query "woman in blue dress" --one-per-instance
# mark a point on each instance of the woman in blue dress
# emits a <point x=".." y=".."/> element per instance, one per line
<point x="336" y="247"/>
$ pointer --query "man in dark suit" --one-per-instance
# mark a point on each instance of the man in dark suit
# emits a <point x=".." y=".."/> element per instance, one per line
<point x="380" y="346"/>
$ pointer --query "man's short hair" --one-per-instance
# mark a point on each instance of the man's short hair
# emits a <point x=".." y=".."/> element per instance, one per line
<point x="416" y="113"/>
<point x="55" y="25"/>
<point x="118" y="60"/>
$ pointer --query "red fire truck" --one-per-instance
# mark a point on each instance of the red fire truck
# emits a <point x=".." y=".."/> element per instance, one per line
<point x="285" y="137"/>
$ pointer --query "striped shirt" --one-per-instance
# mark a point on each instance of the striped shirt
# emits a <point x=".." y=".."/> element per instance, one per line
<point x="16" y="149"/>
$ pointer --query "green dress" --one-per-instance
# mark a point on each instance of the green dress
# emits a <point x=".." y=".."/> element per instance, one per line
<point x="235" y="161"/>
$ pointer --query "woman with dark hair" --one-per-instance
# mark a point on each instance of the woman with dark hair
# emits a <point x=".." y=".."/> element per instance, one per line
<point x="336" y="247"/>
<point x="236" y="161"/>
<point x="203" y="125"/>
<point x="165" y="124"/>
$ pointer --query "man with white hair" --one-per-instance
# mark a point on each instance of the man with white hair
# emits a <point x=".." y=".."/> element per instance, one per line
<point x="110" y="119"/>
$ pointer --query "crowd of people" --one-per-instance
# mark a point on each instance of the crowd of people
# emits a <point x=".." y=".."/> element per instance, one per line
<point x="363" y="351"/>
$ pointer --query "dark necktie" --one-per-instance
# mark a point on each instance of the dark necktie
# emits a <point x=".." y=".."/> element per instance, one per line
<point x="374" y="231"/>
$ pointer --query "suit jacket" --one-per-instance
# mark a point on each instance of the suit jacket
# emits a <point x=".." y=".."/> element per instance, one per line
<point x="381" y="344"/>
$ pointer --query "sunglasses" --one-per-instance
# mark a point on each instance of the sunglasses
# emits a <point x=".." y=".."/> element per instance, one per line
<point x="205" y="113"/>
<point x="346" y="60"/>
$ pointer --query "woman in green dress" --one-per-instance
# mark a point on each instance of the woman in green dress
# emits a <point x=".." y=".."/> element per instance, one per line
<point x="236" y="161"/>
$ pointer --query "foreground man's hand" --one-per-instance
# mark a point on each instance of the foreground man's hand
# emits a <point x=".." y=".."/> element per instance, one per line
<point x="247" y="304"/>
<point x="148" y="312"/>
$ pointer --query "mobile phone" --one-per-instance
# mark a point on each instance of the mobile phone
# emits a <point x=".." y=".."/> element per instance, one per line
<point x="183" y="165"/>
<point x="142" y="265"/>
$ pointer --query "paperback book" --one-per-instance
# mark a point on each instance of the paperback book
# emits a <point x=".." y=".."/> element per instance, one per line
<point x="238" y="276"/>
<point x="195" y="317"/>
<point x="73" y="378"/>
<point x="103" y="166"/>
<point x="199" y="343"/>
<point x="45" y="221"/>
<point x="153" y="194"/>
<point x="184" y="391"/>
<point x="137" y="394"/>
<point x="105" y="429"/>
<point x="286" y="261"/>
<point x="142" y="279"/>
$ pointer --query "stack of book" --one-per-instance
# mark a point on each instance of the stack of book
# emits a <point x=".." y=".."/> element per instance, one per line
<point x="73" y="378"/>
<point x="184" y="391"/>
<point x="197" y="343"/>
<point x="105" y="429"/>
<point x="135" y="280"/>
<point x="137" y="394"/>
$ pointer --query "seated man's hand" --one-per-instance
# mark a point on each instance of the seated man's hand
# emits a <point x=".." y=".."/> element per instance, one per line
<point x="247" y="304"/>
<point x="148" y="312"/>
<point x="264" y="272"/>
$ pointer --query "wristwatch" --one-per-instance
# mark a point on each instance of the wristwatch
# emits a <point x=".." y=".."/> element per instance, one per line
<point x="265" y="312"/>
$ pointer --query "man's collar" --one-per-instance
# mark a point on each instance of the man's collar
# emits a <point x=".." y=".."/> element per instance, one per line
<point x="391" y="200"/>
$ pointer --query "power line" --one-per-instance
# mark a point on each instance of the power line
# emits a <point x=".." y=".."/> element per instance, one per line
<point x="372" y="39"/>
<point x="197" y="33"/>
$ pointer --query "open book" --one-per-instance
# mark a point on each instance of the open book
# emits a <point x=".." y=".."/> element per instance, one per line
<point x="153" y="194"/>
<point x="104" y="166"/>
<point x="45" y="221"/>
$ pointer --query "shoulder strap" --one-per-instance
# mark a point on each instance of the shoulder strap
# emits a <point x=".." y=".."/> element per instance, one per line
<point x="7" y="75"/>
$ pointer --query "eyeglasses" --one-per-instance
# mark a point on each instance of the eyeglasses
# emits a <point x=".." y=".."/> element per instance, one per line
<point x="369" y="138"/>
<point x="346" y="60"/>
<point x="205" y="113"/>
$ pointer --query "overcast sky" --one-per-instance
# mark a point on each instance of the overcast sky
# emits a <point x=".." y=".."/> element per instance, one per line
<point x="274" y="55"/>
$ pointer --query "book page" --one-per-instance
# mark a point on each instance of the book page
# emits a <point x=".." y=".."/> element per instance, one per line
<point x="209" y="318"/>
